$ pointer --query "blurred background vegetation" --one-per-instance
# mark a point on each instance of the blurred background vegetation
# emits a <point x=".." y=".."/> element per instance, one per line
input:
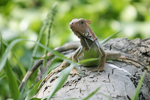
<point x="23" y="19"/>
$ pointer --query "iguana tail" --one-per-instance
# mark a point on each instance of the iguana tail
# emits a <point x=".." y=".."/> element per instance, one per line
<point x="67" y="46"/>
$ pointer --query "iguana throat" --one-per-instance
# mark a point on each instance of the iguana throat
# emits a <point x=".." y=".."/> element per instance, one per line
<point x="86" y="43"/>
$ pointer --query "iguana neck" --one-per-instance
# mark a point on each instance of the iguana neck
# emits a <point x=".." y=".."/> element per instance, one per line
<point x="86" y="43"/>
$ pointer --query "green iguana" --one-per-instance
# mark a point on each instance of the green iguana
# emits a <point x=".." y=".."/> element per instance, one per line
<point x="89" y="48"/>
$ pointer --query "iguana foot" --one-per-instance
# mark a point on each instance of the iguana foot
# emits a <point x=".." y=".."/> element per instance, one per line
<point x="97" y="69"/>
<point x="74" y="71"/>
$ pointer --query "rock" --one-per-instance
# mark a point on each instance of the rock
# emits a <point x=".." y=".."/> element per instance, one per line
<point x="119" y="81"/>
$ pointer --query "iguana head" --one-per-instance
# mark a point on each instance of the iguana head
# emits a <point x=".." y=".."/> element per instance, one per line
<point x="81" y="28"/>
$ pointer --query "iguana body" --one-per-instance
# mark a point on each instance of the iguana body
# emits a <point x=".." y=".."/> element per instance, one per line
<point x="89" y="48"/>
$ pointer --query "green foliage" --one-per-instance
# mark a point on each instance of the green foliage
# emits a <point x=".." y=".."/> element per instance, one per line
<point x="108" y="38"/>
<point x="53" y="65"/>
<point x="90" y="95"/>
<point x="13" y="86"/>
<point x="60" y="81"/>
<point x="139" y="87"/>
<point x="47" y="23"/>
<point x="23" y="19"/>
<point x="32" y="92"/>
<point x="12" y="82"/>
<point x="50" y="20"/>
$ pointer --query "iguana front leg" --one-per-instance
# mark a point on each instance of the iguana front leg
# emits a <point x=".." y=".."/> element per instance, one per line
<point x="102" y="57"/>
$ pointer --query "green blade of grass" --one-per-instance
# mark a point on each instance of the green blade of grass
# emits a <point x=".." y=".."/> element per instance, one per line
<point x="35" y="99"/>
<point x="88" y="60"/>
<point x="108" y="38"/>
<point x="106" y="96"/>
<point x="139" y="87"/>
<point x="13" y="86"/>
<point x="18" y="62"/>
<point x="10" y="46"/>
<point x="5" y="55"/>
<point x="33" y="91"/>
<point x="90" y="95"/>
<point x="52" y="66"/>
<point x="73" y="99"/>
<point x="2" y="75"/>
<point x="50" y="23"/>
<point x="2" y="49"/>
<point x="2" y="45"/>
<point x="60" y="81"/>
<point x="51" y="13"/>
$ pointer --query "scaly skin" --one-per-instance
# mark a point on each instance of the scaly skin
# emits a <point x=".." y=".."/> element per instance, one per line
<point x="90" y="48"/>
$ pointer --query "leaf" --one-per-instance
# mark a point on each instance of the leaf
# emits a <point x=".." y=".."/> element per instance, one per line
<point x="2" y="75"/>
<point x="90" y="95"/>
<point x="32" y="92"/>
<point x="52" y="65"/>
<point x="1" y="44"/>
<point x="5" y="55"/>
<point x="73" y="99"/>
<point x="35" y="99"/>
<point x="139" y="87"/>
<point x="87" y="60"/>
<point x="10" y="46"/>
<point x="108" y="38"/>
<point x="60" y="81"/>
<point x="13" y="86"/>
<point x="106" y="96"/>
<point x="18" y="62"/>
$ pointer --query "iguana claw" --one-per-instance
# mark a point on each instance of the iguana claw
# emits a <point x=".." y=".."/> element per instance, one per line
<point x="97" y="69"/>
<point x="74" y="71"/>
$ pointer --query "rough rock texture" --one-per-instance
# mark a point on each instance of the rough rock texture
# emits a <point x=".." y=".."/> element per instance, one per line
<point x="119" y="81"/>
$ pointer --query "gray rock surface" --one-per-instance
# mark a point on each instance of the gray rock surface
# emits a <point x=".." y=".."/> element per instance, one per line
<point x="119" y="81"/>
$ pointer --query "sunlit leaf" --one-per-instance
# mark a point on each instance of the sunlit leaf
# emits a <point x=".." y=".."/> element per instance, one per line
<point x="106" y="96"/>
<point x="108" y="38"/>
<point x="139" y="87"/>
<point x="90" y="95"/>
<point x="88" y="60"/>
<point x="2" y="75"/>
<point x="18" y="62"/>
<point x="8" y="49"/>
<point x="52" y="65"/>
<point x="33" y="91"/>
<point x="13" y="86"/>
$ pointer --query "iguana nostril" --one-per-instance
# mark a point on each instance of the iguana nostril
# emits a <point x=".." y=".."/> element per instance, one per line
<point x="70" y="23"/>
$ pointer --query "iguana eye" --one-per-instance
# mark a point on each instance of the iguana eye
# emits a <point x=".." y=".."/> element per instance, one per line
<point x="82" y="22"/>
